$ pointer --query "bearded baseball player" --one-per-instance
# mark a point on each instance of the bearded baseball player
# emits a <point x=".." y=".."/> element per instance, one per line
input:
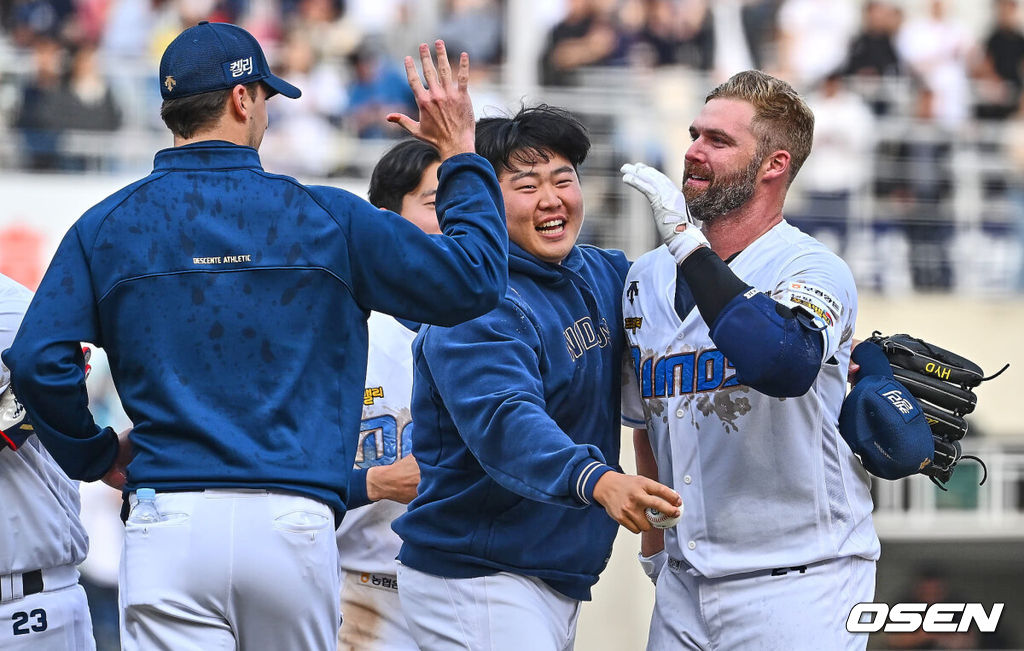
<point x="385" y="475"/>
<point x="42" y="607"/>
<point x="740" y="330"/>
<point x="232" y="304"/>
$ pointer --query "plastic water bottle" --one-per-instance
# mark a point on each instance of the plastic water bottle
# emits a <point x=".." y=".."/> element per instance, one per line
<point x="145" y="508"/>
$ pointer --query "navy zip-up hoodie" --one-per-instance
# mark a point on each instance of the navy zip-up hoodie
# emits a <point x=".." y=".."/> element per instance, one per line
<point x="232" y="304"/>
<point x="517" y="417"/>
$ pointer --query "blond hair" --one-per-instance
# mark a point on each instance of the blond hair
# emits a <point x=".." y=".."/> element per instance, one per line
<point x="782" y="120"/>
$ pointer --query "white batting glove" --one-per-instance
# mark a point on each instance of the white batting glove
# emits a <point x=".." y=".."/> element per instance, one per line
<point x="675" y="226"/>
<point x="653" y="565"/>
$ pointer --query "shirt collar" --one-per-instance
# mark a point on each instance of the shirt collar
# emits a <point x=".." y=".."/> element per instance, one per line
<point x="205" y="155"/>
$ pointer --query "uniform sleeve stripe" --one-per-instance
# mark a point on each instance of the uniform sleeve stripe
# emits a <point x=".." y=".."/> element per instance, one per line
<point x="626" y="420"/>
<point x="9" y="441"/>
<point x="581" y="483"/>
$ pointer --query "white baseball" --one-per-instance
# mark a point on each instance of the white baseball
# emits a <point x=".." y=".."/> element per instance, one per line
<point x="660" y="520"/>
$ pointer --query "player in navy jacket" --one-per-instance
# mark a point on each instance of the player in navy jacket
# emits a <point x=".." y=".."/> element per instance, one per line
<point x="232" y="304"/>
<point x="517" y="420"/>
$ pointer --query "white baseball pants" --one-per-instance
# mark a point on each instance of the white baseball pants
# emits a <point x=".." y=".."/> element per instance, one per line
<point x="231" y="570"/>
<point x="371" y="614"/>
<point x="789" y="610"/>
<point x="500" y="612"/>
<point x="55" y="619"/>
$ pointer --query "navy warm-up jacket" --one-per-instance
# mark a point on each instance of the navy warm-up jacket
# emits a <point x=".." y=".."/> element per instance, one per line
<point x="517" y="416"/>
<point x="232" y="304"/>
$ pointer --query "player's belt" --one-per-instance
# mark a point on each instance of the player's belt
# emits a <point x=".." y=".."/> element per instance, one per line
<point x="678" y="565"/>
<point x="31" y="583"/>
<point x="382" y="581"/>
<point x="19" y="584"/>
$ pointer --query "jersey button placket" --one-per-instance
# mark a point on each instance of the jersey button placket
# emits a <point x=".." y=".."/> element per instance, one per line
<point x="691" y="545"/>
<point x="687" y="479"/>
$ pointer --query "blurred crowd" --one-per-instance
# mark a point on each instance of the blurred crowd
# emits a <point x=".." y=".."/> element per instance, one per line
<point x="899" y="87"/>
<point x="346" y="54"/>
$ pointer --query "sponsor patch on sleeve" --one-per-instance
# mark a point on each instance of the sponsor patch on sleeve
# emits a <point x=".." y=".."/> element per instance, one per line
<point x="823" y="308"/>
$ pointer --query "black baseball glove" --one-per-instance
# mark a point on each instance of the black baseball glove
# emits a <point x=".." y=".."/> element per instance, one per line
<point x="943" y="384"/>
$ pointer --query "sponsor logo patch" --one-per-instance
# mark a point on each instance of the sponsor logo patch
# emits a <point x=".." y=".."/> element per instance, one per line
<point x="821" y="306"/>
<point x="223" y="259"/>
<point x="632" y="323"/>
<point x="382" y="581"/>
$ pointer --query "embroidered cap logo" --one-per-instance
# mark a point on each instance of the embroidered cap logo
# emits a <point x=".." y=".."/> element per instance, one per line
<point x="241" y="68"/>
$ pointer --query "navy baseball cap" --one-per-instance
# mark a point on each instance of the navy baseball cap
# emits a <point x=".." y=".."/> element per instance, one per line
<point x="216" y="56"/>
<point x="882" y="421"/>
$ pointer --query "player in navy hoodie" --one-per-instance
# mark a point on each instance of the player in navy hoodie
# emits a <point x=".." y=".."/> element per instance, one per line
<point x="517" y="420"/>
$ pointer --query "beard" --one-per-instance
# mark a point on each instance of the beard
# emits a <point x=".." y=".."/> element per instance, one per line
<point x="722" y="195"/>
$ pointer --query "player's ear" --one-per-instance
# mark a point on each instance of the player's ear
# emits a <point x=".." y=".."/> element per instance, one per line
<point x="239" y="104"/>
<point x="776" y="165"/>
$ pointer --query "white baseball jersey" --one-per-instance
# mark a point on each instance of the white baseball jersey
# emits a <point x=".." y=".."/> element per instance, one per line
<point x="41" y="529"/>
<point x="766" y="482"/>
<point x="366" y="542"/>
<point x="372" y="615"/>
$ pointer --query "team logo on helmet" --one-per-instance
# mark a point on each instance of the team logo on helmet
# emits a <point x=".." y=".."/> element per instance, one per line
<point x="170" y="83"/>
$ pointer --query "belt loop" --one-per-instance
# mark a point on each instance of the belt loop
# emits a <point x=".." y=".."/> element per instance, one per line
<point x="6" y="588"/>
<point x="18" y="586"/>
<point x="11" y="588"/>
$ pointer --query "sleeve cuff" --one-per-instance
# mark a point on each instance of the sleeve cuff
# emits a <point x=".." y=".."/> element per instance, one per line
<point x="468" y="157"/>
<point x="632" y="422"/>
<point x="585" y="478"/>
<point x="101" y="448"/>
<point x="653" y="565"/>
<point x="357" y="489"/>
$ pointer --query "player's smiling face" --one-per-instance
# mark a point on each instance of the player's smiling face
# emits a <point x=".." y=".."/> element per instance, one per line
<point x="722" y="163"/>
<point x="543" y="205"/>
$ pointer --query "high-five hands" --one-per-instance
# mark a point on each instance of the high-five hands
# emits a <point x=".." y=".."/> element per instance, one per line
<point x="446" y="118"/>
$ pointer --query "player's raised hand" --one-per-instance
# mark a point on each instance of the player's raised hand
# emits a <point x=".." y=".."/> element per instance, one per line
<point x="625" y="497"/>
<point x="446" y="112"/>
<point x="671" y="217"/>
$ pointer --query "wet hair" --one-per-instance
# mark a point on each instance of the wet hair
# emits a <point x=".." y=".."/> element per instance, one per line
<point x="399" y="172"/>
<point x="187" y="116"/>
<point x="531" y="135"/>
<point x="782" y="120"/>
